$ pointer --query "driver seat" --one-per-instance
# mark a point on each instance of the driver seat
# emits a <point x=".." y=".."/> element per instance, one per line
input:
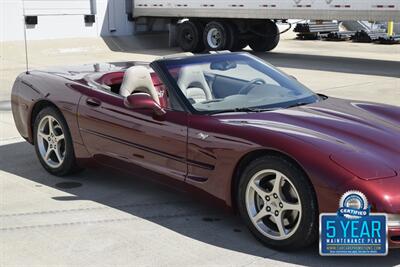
<point x="193" y="84"/>
<point x="138" y="79"/>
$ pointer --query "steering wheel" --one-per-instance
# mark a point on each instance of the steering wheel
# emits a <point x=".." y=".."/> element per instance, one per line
<point x="246" y="88"/>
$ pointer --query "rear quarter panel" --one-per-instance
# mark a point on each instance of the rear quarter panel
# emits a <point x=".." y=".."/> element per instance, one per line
<point x="22" y="99"/>
<point x="36" y="88"/>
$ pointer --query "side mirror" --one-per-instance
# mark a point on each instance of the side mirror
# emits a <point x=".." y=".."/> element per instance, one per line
<point x="143" y="101"/>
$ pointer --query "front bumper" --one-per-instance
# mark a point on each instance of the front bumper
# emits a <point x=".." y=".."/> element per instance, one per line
<point x="394" y="230"/>
<point x="394" y="237"/>
<point x="384" y="197"/>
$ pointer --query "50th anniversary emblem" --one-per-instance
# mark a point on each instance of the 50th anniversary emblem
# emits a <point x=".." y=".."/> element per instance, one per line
<point x="353" y="230"/>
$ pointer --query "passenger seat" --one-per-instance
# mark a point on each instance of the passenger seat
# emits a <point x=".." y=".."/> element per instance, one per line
<point x="138" y="79"/>
<point x="193" y="84"/>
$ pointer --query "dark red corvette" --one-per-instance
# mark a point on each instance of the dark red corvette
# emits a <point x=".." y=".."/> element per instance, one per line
<point x="228" y="124"/>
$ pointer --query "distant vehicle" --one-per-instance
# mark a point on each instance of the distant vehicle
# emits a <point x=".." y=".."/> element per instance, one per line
<point x="232" y="25"/>
<point x="226" y="124"/>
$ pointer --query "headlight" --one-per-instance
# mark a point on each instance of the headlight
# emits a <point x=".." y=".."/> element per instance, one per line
<point x="363" y="165"/>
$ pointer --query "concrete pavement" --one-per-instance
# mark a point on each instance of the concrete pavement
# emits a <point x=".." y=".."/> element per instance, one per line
<point x="99" y="218"/>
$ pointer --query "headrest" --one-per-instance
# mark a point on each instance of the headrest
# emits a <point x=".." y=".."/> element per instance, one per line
<point x="138" y="78"/>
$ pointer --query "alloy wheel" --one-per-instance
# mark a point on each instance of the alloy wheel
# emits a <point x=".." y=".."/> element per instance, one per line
<point x="51" y="141"/>
<point x="273" y="204"/>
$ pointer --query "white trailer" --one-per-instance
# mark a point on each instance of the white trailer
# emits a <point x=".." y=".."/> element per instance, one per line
<point x="233" y="24"/>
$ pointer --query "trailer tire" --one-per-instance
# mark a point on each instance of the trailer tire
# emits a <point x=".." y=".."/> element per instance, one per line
<point x="233" y="36"/>
<point x="266" y="36"/>
<point x="242" y="43"/>
<point x="217" y="35"/>
<point x="189" y="35"/>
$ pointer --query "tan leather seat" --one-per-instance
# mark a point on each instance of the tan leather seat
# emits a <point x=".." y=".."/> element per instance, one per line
<point x="138" y="79"/>
<point x="193" y="84"/>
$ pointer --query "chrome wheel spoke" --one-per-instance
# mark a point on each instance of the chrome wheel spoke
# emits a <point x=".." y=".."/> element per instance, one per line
<point x="261" y="214"/>
<point x="291" y="206"/>
<point x="51" y="125"/>
<point x="44" y="136"/>
<point x="47" y="155"/>
<point x="58" y="154"/>
<point x="277" y="184"/>
<point x="279" y="223"/>
<point x="60" y="137"/>
<point x="258" y="190"/>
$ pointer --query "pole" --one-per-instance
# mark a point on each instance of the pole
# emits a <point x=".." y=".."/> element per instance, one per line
<point x="93" y="7"/>
<point x="25" y="40"/>
<point x="390" y="28"/>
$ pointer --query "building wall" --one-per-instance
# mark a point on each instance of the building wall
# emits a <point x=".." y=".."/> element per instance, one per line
<point x="63" y="19"/>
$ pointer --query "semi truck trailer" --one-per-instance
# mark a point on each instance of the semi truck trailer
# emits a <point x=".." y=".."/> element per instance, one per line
<point x="234" y="24"/>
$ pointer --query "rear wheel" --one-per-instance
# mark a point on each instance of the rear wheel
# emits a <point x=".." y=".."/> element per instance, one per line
<point x="277" y="202"/>
<point x="216" y="36"/>
<point x="265" y="36"/>
<point x="233" y="42"/>
<point x="241" y="44"/>
<point x="189" y="35"/>
<point x="53" y="143"/>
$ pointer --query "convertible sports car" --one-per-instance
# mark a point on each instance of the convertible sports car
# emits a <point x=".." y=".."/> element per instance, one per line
<point x="227" y="124"/>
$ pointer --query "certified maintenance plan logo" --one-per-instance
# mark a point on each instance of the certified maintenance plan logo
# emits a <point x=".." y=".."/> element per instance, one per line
<point x="353" y="230"/>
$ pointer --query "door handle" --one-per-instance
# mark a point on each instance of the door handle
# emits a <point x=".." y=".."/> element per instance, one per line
<point x="93" y="102"/>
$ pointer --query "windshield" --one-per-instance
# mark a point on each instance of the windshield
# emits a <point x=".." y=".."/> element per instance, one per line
<point x="235" y="82"/>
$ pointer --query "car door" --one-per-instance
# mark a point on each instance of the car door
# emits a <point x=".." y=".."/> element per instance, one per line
<point x="213" y="152"/>
<point x="112" y="131"/>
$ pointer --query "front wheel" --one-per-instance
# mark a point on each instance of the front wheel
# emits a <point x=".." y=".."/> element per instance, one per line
<point x="278" y="204"/>
<point x="53" y="143"/>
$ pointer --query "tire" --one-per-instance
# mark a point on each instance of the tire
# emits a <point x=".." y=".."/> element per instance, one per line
<point x="265" y="36"/>
<point x="233" y="37"/>
<point x="301" y="226"/>
<point x="241" y="44"/>
<point x="63" y="161"/>
<point x="308" y="36"/>
<point x="216" y="36"/>
<point x="189" y="35"/>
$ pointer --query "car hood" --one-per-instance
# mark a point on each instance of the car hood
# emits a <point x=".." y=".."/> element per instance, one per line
<point x="339" y="127"/>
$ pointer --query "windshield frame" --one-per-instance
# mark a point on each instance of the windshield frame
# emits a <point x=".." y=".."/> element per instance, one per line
<point x="161" y="67"/>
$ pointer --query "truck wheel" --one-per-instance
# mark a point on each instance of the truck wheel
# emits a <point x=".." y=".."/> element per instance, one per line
<point x="266" y="36"/>
<point x="241" y="44"/>
<point x="189" y="34"/>
<point x="233" y="37"/>
<point x="216" y="36"/>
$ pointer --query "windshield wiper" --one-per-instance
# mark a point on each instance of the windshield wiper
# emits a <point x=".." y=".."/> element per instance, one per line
<point x="255" y="110"/>
<point x="212" y="101"/>
<point x="298" y="104"/>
